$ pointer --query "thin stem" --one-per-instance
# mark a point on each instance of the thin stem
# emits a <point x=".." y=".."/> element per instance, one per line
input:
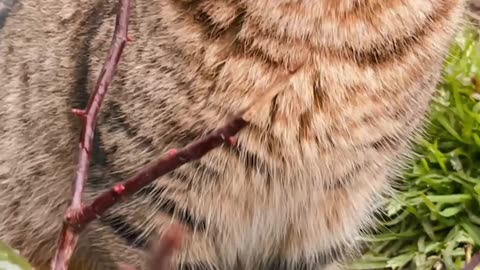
<point x="167" y="163"/>
<point x="69" y="234"/>
<point x="77" y="216"/>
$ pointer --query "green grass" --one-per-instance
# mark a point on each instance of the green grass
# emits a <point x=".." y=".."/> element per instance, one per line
<point x="437" y="215"/>
<point x="11" y="260"/>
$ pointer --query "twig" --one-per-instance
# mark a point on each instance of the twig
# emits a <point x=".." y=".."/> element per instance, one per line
<point x="168" y="162"/>
<point x="88" y="116"/>
<point x="77" y="220"/>
<point x="175" y="158"/>
<point x="79" y="216"/>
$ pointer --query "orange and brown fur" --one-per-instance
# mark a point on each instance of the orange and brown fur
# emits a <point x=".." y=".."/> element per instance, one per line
<point x="306" y="176"/>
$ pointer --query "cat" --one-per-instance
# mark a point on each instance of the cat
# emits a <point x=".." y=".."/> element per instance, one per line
<point x="306" y="176"/>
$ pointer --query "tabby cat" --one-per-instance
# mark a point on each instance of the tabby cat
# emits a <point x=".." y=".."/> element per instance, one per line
<point x="305" y="178"/>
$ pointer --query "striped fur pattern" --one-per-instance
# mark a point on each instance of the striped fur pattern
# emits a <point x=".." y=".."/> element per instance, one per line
<point x="304" y="180"/>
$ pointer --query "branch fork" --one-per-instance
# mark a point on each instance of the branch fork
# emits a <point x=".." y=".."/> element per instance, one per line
<point x="78" y="216"/>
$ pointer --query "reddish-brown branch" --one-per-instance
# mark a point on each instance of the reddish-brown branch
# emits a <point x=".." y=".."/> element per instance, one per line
<point x="69" y="235"/>
<point x="77" y="219"/>
<point x="89" y="115"/>
<point x="78" y="216"/>
<point x="168" y="162"/>
<point x="174" y="159"/>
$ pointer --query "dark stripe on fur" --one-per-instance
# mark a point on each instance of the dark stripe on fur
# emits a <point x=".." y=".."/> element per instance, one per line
<point x="305" y="132"/>
<point x="157" y="194"/>
<point x="179" y="135"/>
<point x="89" y="28"/>
<point x="214" y="31"/>
<point x="386" y="143"/>
<point x="208" y="172"/>
<point x="380" y="54"/>
<point x="400" y="47"/>
<point x="187" y="175"/>
<point x="211" y="28"/>
<point x="99" y="156"/>
<point x="170" y="207"/>
<point x="245" y="48"/>
<point x="345" y="180"/>
<point x="320" y="95"/>
<point x="251" y="161"/>
<point x="151" y="191"/>
<point x="133" y="236"/>
<point x="116" y="120"/>
<point x="100" y="178"/>
<point x="80" y="95"/>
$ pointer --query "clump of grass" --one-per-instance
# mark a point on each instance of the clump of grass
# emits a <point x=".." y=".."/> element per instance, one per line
<point x="434" y="223"/>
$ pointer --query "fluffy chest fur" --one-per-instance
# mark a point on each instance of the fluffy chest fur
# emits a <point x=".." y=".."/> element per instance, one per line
<point x="305" y="177"/>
